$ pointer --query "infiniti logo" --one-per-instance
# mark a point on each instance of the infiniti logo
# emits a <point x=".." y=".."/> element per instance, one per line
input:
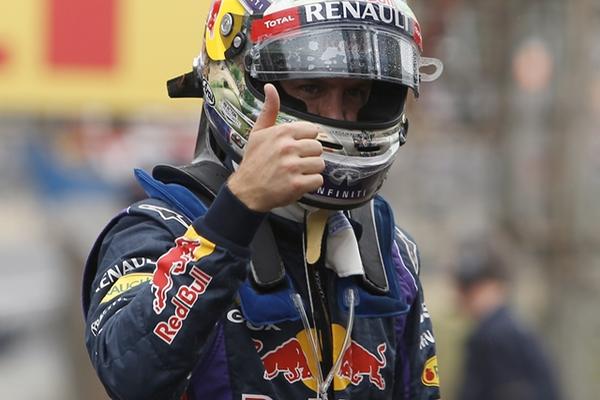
<point x="339" y="175"/>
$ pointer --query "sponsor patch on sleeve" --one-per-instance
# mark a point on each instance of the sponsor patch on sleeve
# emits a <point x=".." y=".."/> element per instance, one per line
<point x="430" y="375"/>
<point x="188" y="249"/>
<point x="125" y="283"/>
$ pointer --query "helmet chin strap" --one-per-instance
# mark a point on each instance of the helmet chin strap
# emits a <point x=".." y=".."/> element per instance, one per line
<point x="342" y="253"/>
<point x="294" y="212"/>
<point x="315" y="223"/>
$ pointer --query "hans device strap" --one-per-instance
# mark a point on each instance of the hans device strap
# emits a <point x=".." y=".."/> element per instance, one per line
<point x="375" y="278"/>
<point x="204" y="177"/>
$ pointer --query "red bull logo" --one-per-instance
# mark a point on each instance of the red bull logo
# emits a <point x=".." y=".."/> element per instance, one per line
<point x="359" y="362"/>
<point x="189" y="248"/>
<point x="288" y="359"/>
<point x="173" y="262"/>
<point x="293" y="361"/>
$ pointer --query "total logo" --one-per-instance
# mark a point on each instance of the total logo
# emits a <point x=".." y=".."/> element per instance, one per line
<point x="293" y="361"/>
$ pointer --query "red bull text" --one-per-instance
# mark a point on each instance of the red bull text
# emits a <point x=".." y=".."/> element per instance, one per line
<point x="188" y="248"/>
<point x="173" y="262"/>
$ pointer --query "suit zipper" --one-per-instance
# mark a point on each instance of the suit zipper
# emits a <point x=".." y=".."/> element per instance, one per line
<point x="322" y="321"/>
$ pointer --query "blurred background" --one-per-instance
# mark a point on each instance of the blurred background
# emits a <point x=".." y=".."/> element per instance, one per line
<point x="505" y="145"/>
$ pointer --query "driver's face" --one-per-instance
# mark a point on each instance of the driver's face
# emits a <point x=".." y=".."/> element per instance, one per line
<point x="335" y="98"/>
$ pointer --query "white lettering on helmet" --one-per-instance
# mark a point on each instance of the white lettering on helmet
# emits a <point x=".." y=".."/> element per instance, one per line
<point x="369" y="11"/>
<point x="271" y="23"/>
<point x="348" y="10"/>
<point x="341" y="194"/>
<point x="332" y="10"/>
<point x="313" y="11"/>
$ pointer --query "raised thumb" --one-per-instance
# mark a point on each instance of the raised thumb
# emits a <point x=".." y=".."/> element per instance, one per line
<point x="268" y="115"/>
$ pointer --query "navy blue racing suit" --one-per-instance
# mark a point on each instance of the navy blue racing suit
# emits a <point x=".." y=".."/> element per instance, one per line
<point x="171" y="312"/>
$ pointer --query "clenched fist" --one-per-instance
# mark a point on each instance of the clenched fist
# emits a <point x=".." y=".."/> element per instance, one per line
<point x="281" y="162"/>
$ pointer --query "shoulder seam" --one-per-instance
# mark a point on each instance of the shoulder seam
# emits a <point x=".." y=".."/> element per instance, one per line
<point x="410" y="273"/>
<point x="161" y="212"/>
<point x="411" y="248"/>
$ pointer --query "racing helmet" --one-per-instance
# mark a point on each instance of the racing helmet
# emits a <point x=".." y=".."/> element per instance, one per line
<point x="248" y="43"/>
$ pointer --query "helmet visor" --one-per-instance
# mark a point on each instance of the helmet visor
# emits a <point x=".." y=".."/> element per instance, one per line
<point x="343" y="51"/>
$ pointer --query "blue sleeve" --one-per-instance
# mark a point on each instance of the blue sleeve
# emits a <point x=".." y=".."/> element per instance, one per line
<point x="156" y="297"/>
<point x="416" y="365"/>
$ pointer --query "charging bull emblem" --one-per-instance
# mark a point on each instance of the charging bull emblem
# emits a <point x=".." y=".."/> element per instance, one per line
<point x="293" y="360"/>
<point x="287" y="359"/>
<point x="188" y="248"/>
<point x="358" y="362"/>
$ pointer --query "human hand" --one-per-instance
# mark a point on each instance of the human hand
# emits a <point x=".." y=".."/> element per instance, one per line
<point x="281" y="162"/>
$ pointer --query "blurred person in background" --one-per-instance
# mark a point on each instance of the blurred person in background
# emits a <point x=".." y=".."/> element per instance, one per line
<point x="268" y="268"/>
<point x="503" y="358"/>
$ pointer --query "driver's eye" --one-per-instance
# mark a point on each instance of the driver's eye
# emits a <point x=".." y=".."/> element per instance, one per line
<point x="310" y="89"/>
<point x="359" y="95"/>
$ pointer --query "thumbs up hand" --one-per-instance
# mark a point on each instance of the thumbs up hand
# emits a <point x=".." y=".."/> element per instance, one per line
<point x="281" y="162"/>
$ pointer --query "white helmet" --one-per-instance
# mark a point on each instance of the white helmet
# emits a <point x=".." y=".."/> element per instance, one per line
<point x="251" y="42"/>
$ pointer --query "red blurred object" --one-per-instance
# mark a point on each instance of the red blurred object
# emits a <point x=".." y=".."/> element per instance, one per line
<point x="4" y="56"/>
<point x="82" y="33"/>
